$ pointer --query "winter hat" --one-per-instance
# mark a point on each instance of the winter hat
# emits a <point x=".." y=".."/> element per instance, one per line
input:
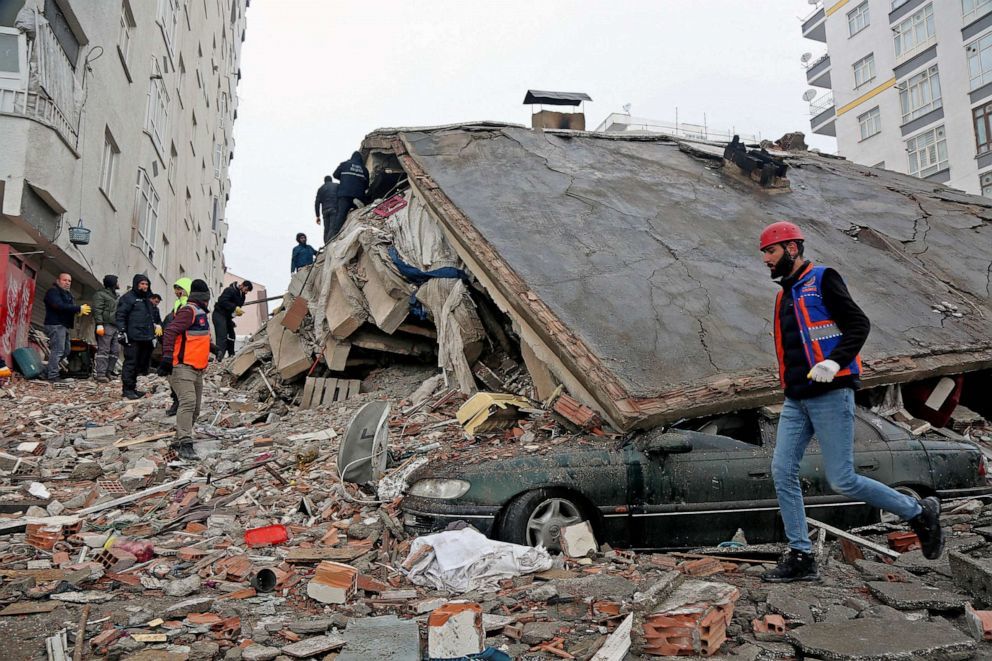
<point x="110" y="281"/>
<point x="199" y="285"/>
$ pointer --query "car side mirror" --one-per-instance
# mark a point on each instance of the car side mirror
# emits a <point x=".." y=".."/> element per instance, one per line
<point x="666" y="444"/>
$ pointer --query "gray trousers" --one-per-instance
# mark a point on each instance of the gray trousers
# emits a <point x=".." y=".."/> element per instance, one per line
<point x="58" y="347"/>
<point x="107" y="351"/>
<point x="188" y="384"/>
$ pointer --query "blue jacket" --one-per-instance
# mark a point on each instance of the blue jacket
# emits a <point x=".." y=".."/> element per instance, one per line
<point x="60" y="308"/>
<point x="354" y="177"/>
<point x="303" y="255"/>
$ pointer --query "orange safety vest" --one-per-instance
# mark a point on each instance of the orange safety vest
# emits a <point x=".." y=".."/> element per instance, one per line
<point x="193" y="346"/>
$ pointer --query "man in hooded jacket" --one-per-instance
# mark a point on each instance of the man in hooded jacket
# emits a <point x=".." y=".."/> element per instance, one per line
<point x="136" y="329"/>
<point x="181" y="289"/>
<point x="105" y="317"/>
<point x="354" y="178"/>
<point x="227" y="308"/>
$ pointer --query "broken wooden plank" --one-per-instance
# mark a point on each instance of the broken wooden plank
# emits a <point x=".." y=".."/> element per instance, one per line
<point x="77" y="654"/>
<point x="29" y="608"/>
<point x="343" y="554"/>
<point x="143" y="439"/>
<point x="616" y="646"/>
<point x="166" y="486"/>
<point x="861" y="541"/>
<point x="307" y="395"/>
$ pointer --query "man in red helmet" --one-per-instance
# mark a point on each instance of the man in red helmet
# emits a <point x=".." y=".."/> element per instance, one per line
<point x="819" y="330"/>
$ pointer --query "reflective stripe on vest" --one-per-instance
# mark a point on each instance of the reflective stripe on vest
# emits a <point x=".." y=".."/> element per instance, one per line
<point x="820" y="334"/>
<point x="193" y="346"/>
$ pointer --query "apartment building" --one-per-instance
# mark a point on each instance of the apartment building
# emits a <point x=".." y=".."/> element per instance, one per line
<point x="116" y="118"/>
<point x="907" y="85"/>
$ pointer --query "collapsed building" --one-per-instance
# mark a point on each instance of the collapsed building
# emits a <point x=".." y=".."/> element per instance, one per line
<point x="625" y="269"/>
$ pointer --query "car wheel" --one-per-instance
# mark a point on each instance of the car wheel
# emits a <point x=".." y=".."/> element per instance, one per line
<point x="537" y="517"/>
<point x="889" y="517"/>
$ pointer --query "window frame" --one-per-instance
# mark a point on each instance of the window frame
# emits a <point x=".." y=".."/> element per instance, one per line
<point x="981" y="183"/>
<point x="868" y="59"/>
<point x="125" y="37"/>
<point x="16" y="80"/>
<point x="868" y="119"/>
<point x="167" y="18"/>
<point x="930" y="78"/>
<point x="929" y="24"/>
<point x="933" y="166"/>
<point x="157" y="114"/>
<point x="146" y="199"/>
<point x="109" y="162"/>
<point x="982" y="114"/>
<point x="984" y="77"/>
<point x="853" y="16"/>
<point x="980" y="8"/>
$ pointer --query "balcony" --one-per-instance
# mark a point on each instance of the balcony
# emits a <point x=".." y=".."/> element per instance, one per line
<point x="39" y="108"/>
<point x="818" y="73"/>
<point x="815" y="25"/>
<point x="823" y="116"/>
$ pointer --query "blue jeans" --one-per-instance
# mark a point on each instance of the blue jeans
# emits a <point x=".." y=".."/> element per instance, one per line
<point x="831" y="417"/>
<point x="58" y="348"/>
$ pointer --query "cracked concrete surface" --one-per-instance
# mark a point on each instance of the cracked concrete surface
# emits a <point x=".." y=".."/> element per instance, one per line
<point x="649" y="254"/>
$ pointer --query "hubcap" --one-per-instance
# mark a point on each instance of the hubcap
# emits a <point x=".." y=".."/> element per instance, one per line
<point x="549" y="517"/>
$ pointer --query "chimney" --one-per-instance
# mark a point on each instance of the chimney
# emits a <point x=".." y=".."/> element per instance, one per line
<point x="551" y="119"/>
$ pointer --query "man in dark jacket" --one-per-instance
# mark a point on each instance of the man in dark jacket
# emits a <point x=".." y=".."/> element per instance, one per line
<point x="326" y="205"/>
<point x="136" y="326"/>
<point x="60" y="316"/>
<point x="354" y="180"/>
<point x="228" y="307"/>
<point x="303" y="254"/>
<point x="819" y="331"/>
<point x="105" y="317"/>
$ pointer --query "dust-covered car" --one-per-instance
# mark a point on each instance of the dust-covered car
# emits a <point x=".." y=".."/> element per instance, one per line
<point x="692" y="485"/>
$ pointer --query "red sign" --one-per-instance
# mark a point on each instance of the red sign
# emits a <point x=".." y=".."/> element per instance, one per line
<point x="16" y="298"/>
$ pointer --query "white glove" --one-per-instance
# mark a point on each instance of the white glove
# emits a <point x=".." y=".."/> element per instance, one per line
<point x="824" y="371"/>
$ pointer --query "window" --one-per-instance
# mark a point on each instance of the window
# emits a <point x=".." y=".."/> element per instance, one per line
<point x="163" y="254"/>
<point x="215" y="213"/>
<point x="168" y="19"/>
<point x="986" y="182"/>
<point x="979" y="53"/>
<point x="927" y="152"/>
<point x="171" y="174"/>
<point x="983" y="128"/>
<point x="915" y="32"/>
<point x="857" y="19"/>
<point x="218" y="158"/>
<point x="181" y="79"/>
<point x="870" y="123"/>
<point x="972" y="9"/>
<point x="920" y="94"/>
<point x="145" y="215"/>
<point x="63" y="33"/>
<point x="13" y="59"/>
<point x="158" y="107"/>
<point x="108" y="165"/>
<point x="864" y="70"/>
<point x="124" y="37"/>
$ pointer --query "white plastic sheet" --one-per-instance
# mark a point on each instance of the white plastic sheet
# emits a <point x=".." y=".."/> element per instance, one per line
<point x="465" y="560"/>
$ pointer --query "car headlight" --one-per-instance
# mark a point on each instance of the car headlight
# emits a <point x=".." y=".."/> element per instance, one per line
<point x="439" y="488"/>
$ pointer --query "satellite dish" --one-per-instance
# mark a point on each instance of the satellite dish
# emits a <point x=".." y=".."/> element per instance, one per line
<point x="806" y="57"/>
<point x="362" y="453"/>
<point x="626" y="108"/>
<point x="809" y="95"/>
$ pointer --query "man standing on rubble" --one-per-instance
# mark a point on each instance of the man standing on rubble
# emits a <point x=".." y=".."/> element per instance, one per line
<point x="181" y="289"/>
<point x="326" y="205"/>
<point x="185" y="354"/>
<point x="60" y="316"/>
<point x="105" y="318"/>
<point x="303" y="254"/>
<point x="819" y="330"/>
<point x="136" y="329"/>
<point x="354" y="178"/>
<point x="228" y="307"/>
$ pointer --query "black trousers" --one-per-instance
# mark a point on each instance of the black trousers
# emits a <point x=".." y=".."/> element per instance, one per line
<point x="137" y="357"/>
<point x="345" y="204"/>
<point x="223" y="334"/>
<point x="330" y="218"/>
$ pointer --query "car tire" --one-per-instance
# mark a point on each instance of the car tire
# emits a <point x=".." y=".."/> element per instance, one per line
<point x="889" y="517"/>
<point x="536" y="517"/>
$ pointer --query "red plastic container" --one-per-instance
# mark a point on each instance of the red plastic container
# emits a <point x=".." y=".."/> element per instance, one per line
<point x="267" y="536"/>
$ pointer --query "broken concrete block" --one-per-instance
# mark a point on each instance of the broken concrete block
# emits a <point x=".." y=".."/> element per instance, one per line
<point x="243" y="362"/>
<point x="388" y="311"/>
<point x="336" y="354"/>
<point x="55" y="508"/>
<point x="334" y="583"/>
<point x="101" y="433"/>
<point x="973" y="575"/>
<point x="455" y="630"/>
<point x="385" y="638"/>
<point x="182" y="587"/>
<point x="882" y="639"/>
<point x="578" y="541"/>
<point x="344" y="312"/>
<point x="184" y="608"/>
<point x="313" y="646"/>
<point x="288" y="353"/>
<point x="257" y="652"/>
<point x="908" y="596"/>
<point x="979" y="623"/>
<point x="86" y="470"/>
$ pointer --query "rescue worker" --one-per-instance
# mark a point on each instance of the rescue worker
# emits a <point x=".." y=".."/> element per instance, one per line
<point x="228" y="307"/>
<point x="105" y="317"/>
<point x="136" y="329"/>
<point x="354" y="178"/>
<point x="326" y="205"/>
<point x="181" y="289"/>
<point x="819" y="331"/>
<point x="60" y="316"/>
<point x="185" y="354"/>
<point x="303" y="254"/>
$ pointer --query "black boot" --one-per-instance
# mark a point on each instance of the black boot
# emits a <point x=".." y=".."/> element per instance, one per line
<point x="926" y="525"/>
<point x="794" y="566"/>
<point x="172" y="410"/>
<point x="131" y="394"/>
<point x="184" y="449"/>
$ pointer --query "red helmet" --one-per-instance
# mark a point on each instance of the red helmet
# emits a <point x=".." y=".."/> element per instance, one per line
<point x="779" y="232"/>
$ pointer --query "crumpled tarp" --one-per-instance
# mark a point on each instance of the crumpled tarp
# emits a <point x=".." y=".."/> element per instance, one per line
<point x="465" y="560"/>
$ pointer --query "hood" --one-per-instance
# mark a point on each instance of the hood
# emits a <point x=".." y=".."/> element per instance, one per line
<point x="110" y="282"/>
<point x="200" y="298"/>
<point x="184" y="284"/>
<point x="356" y="158"/>
<point x="134" y="285"/>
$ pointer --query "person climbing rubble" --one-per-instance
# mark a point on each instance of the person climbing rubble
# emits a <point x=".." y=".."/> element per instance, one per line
<point x="60" y="317"/>
<point x="228" y="307"/>
<point x="354" y="178"/>
<point x="136" y="326"/>
<point x="303" y="254"/>
<point x="819" y="332"/>
<point x="105" y="318"/>
<point x="185" y="353"/>
<point x="326" y="205"/>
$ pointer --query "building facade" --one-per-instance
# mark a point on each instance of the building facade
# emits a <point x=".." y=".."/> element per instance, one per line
<point x="907" y="85"/>
<point x="116" y="117"/>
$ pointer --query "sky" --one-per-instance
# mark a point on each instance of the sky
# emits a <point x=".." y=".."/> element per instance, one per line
<point x="318" y="75"/>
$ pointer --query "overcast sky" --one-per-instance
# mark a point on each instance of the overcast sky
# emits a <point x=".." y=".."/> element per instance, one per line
<point x="318" y="75"/>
